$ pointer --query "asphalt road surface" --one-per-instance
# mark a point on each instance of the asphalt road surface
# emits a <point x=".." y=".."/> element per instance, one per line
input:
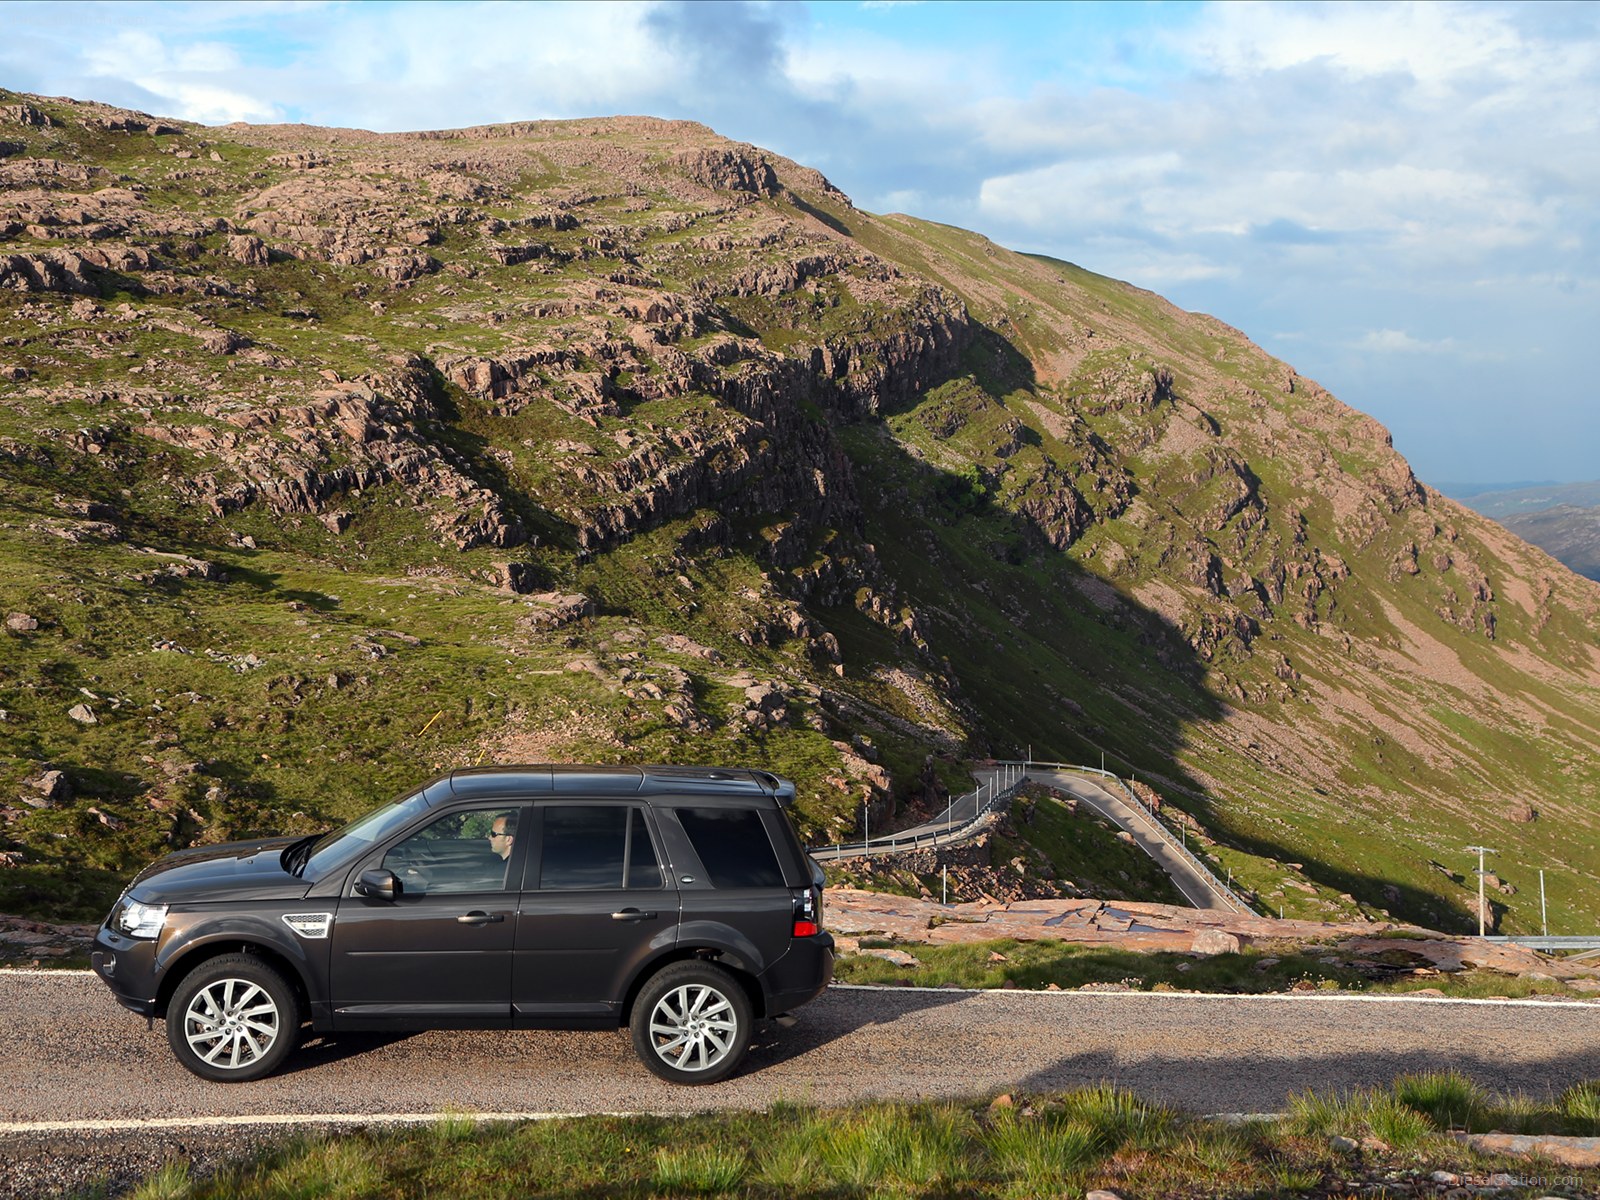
<point x="91" y="1096"/>
<point x="68" y="1053"/>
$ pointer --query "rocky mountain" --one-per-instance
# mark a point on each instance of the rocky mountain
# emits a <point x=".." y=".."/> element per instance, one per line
<point x="329" y="459"/>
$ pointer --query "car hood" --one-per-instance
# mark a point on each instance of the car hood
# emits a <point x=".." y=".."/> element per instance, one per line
<point x="233" y="871"/>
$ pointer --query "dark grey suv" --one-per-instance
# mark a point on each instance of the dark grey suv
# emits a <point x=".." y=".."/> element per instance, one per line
<point x="675" y="901"/>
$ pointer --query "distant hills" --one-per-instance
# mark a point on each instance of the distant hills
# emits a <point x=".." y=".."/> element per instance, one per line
<point x="1562" y="519"/>
<point x="1509" y="500"/>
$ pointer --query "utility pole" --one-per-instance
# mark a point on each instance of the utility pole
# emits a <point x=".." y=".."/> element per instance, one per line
<point x="866" y="829"/>
<point x="1480" y="851"/>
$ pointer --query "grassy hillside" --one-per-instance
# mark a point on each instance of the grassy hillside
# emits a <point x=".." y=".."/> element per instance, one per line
<point x="329" y="460"/>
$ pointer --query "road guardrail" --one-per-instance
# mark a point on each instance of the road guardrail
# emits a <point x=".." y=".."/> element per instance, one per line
<point x="1220" y="889"/>
<point x="999" y="790"/>
<point x="1012" y="774"/>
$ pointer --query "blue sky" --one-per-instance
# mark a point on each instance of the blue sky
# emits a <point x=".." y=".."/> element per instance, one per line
<point x="1401" y="200"/>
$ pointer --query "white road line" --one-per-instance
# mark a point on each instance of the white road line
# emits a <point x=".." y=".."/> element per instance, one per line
<point x="132" y="1125"/>
<point x="8" y="972"/>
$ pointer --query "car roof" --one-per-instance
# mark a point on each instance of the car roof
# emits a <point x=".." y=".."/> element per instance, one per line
<point x="572" y="780"/>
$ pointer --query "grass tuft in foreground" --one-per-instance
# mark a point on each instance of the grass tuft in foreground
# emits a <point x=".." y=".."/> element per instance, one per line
<point x="1046" y="1145"/>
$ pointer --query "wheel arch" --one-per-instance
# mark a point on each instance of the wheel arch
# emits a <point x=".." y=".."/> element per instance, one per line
<point x="198" y="954"/>
<point x="717" y="956"/>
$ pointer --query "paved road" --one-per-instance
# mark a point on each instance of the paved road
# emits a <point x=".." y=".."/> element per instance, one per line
<point x="69" y="1053"/>
<point x="1196" y="888"/>
<point x="92" y="1097"/>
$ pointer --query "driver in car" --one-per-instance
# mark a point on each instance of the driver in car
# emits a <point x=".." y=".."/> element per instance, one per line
<point x="502" y="833"/>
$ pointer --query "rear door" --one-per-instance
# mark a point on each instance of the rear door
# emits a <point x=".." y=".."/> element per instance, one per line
<point x="739" y="886"/>
<point x="596" y="904"/>
<point x="440" y="952"/>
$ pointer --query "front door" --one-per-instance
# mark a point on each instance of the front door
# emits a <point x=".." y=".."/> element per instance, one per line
<point x="440" y="952"/>
<point x="595" y="906"/>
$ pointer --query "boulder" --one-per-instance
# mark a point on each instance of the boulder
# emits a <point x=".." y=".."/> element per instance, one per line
<point x="53" y="787"/>
<point x="1214" y="941"/>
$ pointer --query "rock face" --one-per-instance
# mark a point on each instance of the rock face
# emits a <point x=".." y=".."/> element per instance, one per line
<point x="736" y="168"/>
<point x="627" y="373"/>
<point x="310" y="457"/>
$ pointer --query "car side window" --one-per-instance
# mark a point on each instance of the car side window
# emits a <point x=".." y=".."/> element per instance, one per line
<point x="467" y="851"/>
<point x="733" y="846"/>
<point x="644" y="866"/>
<point x="595" y="846"/>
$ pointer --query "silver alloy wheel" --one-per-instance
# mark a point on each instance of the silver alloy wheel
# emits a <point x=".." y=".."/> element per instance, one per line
<point x="692" y="1027"/>
<point x="231" y="1023"/>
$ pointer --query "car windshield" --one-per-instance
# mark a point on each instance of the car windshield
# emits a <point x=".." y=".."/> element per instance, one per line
<point x="343" y="844"/>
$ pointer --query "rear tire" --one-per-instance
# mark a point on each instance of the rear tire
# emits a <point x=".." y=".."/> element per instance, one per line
<point x="233" y="1018"/>
<point x="691" y="1023"/>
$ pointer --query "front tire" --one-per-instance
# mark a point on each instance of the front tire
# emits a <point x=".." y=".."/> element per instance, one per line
<point x="691" y="1023"/>
<point x="232" y="1019"/>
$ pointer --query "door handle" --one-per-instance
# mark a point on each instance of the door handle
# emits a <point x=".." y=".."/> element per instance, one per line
<point x="633" y="914"/>
<point x="478" y="917"/>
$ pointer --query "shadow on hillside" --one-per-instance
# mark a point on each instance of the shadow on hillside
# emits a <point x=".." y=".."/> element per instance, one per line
<point x="1406" y="903"/>
<point x="1046" y="656"/>
<point x="817" y="214"/>
<point x="1048" y="660"/>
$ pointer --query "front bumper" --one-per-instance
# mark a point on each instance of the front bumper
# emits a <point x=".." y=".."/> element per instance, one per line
<point x="127" y="966"/>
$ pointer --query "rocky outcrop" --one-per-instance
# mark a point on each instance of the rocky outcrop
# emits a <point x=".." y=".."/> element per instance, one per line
<point x="732" y="168"/>
<point x="1160" y="927"/>
<point x="282" y="456"/>
<point x="51" y="271"/>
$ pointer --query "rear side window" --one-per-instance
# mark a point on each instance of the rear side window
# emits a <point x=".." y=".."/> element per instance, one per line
<point x="587" y="846"/>
<point x="733" y="846"/>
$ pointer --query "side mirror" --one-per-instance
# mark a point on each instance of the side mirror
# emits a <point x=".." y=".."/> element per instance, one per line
<point x="378" y="884"/>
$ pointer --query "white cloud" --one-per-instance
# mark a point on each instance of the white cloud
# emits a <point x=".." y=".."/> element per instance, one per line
<point x="1432" y="42"/>
<point x="205" y="56"/>
<point x="1398" y="341"/>
<point x="1080" y="193"/>
<point x="214" y="105"/>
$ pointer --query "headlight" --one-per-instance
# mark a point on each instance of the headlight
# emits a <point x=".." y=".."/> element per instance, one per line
<point x="141" y="920"/>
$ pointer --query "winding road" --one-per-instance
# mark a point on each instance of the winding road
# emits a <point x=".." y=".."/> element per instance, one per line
<point x="1196" y="885"/>
<point x="1197" y="888"/>
<point x="72" y="1056"/>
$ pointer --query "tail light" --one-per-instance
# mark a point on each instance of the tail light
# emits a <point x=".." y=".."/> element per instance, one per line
<point x="808" y="912"/>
